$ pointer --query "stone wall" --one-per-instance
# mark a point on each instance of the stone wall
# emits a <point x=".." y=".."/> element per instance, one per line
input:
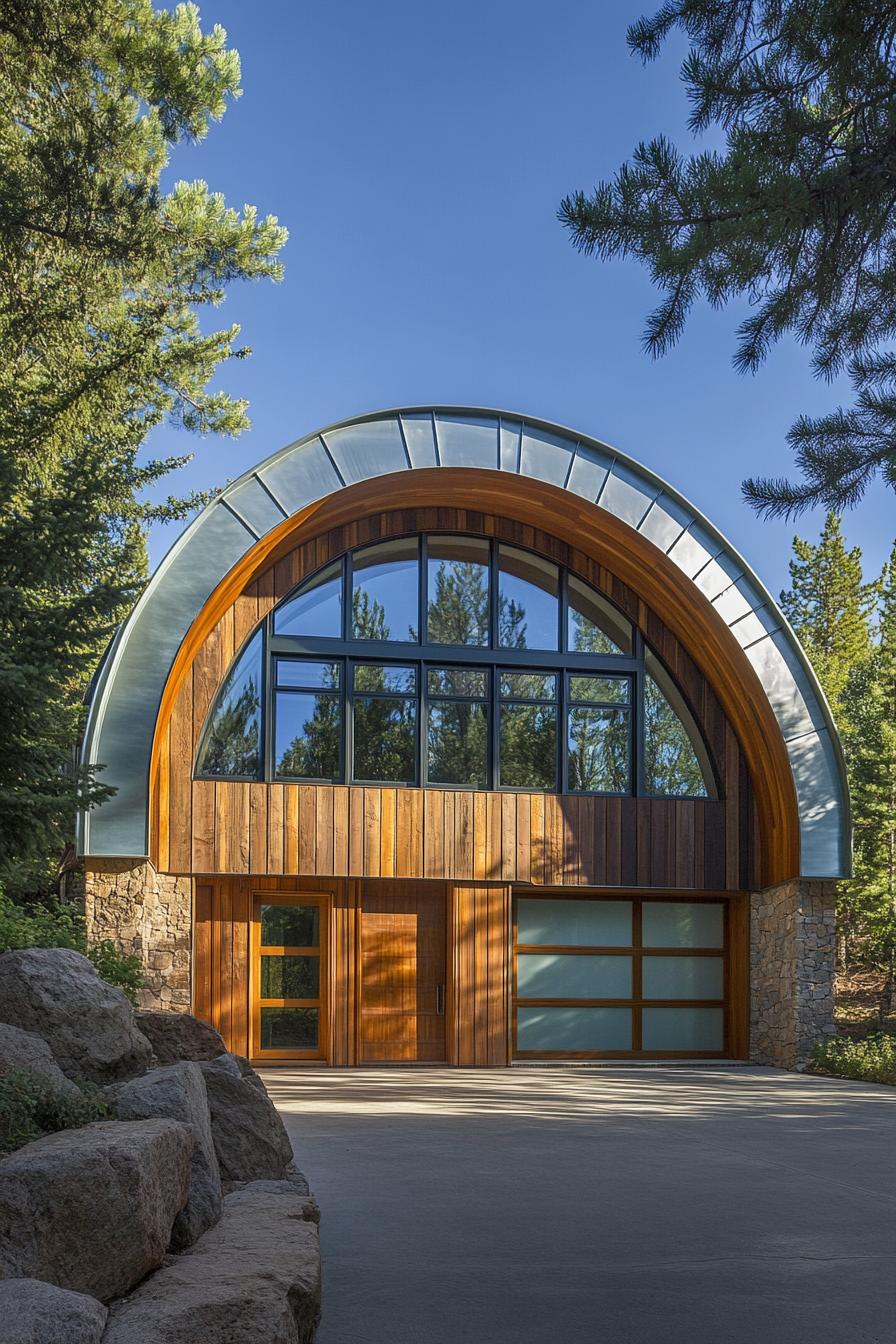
<point x="792" y="954"/>
<point x="148" y="915"/>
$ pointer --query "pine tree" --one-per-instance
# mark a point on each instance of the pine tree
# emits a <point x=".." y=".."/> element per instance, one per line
<point x="796" y="215"/>
<point x="829" y="606"/>
<point x="102" y="277"/>
<point x="871" y="745"/>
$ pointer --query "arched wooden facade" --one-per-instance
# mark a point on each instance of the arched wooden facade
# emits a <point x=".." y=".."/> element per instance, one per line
<point x="420" y="897"/>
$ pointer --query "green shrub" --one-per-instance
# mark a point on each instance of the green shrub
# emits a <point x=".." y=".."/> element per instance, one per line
<point x="30" y="1107"/>
<point x="871" y="1060"/>
<point x="61" y="925"/>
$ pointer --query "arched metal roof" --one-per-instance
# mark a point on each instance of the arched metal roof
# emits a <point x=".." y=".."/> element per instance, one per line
<point x="128" y="690"/>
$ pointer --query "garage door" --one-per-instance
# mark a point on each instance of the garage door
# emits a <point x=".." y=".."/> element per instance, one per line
<point x="607" y="978"/>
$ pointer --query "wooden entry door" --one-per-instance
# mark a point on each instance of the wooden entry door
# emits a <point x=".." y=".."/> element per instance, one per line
<point x="403" y="960"/>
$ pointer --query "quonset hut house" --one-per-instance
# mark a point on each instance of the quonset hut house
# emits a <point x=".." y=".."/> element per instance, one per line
<point x="450" y="735"/>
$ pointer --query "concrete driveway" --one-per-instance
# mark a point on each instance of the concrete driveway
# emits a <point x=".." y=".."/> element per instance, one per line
<point x="599" y="1206"/>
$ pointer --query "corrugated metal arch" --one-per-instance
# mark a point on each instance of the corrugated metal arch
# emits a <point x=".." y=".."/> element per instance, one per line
<point x="128" y="690"/>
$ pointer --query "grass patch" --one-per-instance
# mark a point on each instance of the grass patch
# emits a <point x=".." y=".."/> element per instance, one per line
<point x="869" y="1060"/>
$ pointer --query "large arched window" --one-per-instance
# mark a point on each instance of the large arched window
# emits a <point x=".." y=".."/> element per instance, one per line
<point x="454" y="661"/>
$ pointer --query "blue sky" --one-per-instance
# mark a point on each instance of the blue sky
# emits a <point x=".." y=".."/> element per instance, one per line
<point x="417" y="155"/>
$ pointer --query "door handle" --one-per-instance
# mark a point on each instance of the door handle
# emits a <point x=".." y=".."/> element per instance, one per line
<point x="440" y="1000"/>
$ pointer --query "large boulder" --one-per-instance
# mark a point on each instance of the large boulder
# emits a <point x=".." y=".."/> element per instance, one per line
<point x="88" y="1024"/>
<point x="176" y="1036"/>
<point x="250" y="1138"/>
<point x="32" y="1312"/>
<point x="177" y="1092"/>
<point x="92" y="1209"/>
<point x="24" y="1050"/>
<point x="253" y="1279"/>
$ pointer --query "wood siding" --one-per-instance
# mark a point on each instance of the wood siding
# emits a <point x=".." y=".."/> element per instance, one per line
<point x="477" y="931"/>
<point x="479" y="988"/>
<point x="275" y="829"/>
<point x="478" y="950"/>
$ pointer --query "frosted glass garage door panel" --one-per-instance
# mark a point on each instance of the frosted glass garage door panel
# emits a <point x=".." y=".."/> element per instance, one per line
<point x="549" y="1029"/>
<point x="682" y="977"/>
<point x="683" y="924"/>
<point x="574" y="923"/>
<point x="682" y="1029"/>
<point x="556" y="975"/>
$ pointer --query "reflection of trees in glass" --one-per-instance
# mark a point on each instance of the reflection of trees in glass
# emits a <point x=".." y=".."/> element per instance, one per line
<point x="586" y="637"/>
<point x="511" y="623"/>
<point x="368" y="617"/>
<point x="231" y="743"/>
<point x="598" y="749"/>
<point x="313" y="752"/>
<point x="289" y="977"/>
<point x="528" y="746"/>
<point x="671" y="766"/>
<point x="458" y="608"/>
<point x="289" y="1028"/>
<point x="290" y="925"/>
<point x="385" y="738"/>
<point x="458" y="743"/>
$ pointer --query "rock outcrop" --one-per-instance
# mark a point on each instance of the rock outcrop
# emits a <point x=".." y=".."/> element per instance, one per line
<point x="184" y="1220"/>
<point x="33" y="1312"/>
<point x="88" y="1024"/>
<point x="250" y="1139"/>
<point x="24" y="1050"/>
<point x="177" y="1092"/>
<point x="253" y="1279"/>
<point x="177" y="1036"/>
<point x="92" y="1209"/>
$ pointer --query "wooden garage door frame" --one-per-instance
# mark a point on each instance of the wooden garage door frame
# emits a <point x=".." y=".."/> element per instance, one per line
<point x="735" y="1001"/>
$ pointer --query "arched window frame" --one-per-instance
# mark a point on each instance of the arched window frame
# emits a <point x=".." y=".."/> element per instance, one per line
<point x="349" y="651"/>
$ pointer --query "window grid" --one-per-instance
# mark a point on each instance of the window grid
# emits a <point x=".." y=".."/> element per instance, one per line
<point x="635" y="950"/>
<point x="348" y="652"/>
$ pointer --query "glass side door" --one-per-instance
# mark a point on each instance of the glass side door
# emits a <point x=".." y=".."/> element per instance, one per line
<point x="289" y="972"/>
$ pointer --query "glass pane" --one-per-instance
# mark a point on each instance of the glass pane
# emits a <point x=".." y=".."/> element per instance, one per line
<point x="528" y="746"/>
<point x="598" y="747"/>
<point x="672" y="766"/>
<point x="683" y="924"/>
<point x="528" y="686"/>
<point x="528" y="605"/>
<point x="289" y="1028"/>
<point x="457" y="739"/>
<point x="316" y="608"/>
<point x="290" y="925"/>
<point x="682" y="977"/>
<point x="458" y="607"/>
<point x="561" y="923"/>
<point x="594" y="625"/>
<point x="457" y="681"/>
<point x="383" y="677"/>
<point x="304" y="672"/>
<point x="612" y="690"/>
<point x="547" y="1029"/>
<point x="307" y="735"/>
<point x="551" y="975"/>
<point x="682" y="1029"/>
<point x="385" y="588"/>
<point x="231" y="741"/>
<point x="385" y="740"/>
<point x="290" y="977"/>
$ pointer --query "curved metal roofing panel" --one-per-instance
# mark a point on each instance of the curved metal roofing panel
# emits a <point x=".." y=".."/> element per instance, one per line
<point x="128" y="692"/>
